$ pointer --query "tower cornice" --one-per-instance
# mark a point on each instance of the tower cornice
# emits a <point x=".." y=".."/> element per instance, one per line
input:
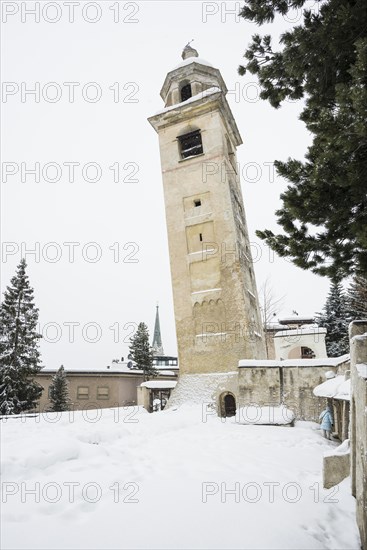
<point x="196" y="107"/>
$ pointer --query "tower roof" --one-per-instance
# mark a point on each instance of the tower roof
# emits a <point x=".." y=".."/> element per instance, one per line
<point x="192" y="65"/>
<point x="188" y="51"/>
<point x="157" y="338"/>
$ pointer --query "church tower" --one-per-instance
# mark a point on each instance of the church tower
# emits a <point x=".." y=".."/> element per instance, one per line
<point x="157" y="345"/>
<point x="214" y="289"/>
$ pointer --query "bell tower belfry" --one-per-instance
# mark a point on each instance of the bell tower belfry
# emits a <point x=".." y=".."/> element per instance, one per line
<point x="214" y="290"/>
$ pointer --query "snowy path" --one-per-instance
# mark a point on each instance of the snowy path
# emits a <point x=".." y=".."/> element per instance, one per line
<point x="168" y="463"/>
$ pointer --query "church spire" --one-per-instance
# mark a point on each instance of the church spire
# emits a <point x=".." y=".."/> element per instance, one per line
<point x="157" y="339"/>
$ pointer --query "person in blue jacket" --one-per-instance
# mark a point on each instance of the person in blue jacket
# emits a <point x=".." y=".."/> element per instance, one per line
<point x="326" y="420"/>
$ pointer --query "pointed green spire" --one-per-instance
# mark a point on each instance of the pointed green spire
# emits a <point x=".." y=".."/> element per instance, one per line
<point x="157" y="339"/>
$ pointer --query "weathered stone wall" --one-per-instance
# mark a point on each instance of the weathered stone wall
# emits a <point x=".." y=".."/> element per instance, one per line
<point x="291" y="385"/>
<point x="270" y="347"/>
<point x="143" y="397"/>
<point x="341" y="415"/>
<point x="336" y="467"/>
<point x="358" y="431"/>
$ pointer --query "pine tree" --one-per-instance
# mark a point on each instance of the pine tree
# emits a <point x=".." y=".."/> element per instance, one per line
<point x="335" y="318"/>
<point x="357" y="298"/>
<point x="141" y="351"/>
<point x="19" y="355"/>
<point x="59" y="392"/>
<point x="324" y="60"/>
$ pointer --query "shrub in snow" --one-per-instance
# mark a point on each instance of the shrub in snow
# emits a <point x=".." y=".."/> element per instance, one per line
<point x="59" y="392"/>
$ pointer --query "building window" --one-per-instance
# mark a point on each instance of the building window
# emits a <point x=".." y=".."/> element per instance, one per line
<point x="307" y="353"/>
<point x="103" y="392"/>
<point x="83" y="392"/>
<point x="186" y="92"/>
<point x="197" y="203"/>
<point x="191" y="144"/>
<point x="201" y="237"/>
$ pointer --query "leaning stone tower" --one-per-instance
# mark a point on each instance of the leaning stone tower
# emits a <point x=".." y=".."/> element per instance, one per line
<point x="214" y="289"/>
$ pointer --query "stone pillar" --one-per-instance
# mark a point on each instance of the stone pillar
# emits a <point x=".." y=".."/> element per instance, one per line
<point x="358" y="363"/>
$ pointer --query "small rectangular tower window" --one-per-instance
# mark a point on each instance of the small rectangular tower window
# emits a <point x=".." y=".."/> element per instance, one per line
<point x="197" y="203"/>
<point x="201" y="237"/>
<point x="191" y="144"/>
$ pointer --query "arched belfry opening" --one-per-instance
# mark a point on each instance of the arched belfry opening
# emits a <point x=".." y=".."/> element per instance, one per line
<point x="227" y="404"/>
<point x="185" y="91"/>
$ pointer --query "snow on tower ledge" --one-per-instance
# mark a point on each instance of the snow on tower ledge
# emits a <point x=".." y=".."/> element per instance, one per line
<point x="199" y="60"/>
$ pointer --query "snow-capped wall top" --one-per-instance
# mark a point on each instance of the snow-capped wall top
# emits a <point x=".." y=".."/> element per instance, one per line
<point x="300" y="331"/>
<point x="320" y="362"/>
<point x="159" y="384"/>
<point x="343" y="449"/>
<point x="289" y="319"/>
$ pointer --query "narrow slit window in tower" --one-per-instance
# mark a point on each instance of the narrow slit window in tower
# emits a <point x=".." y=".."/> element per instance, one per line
<point x="201" y="237"/>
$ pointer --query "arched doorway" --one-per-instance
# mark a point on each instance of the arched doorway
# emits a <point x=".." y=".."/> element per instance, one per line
<point x="228" y="404"/>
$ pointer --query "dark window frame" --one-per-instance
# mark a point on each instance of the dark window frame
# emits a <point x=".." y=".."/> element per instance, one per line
<point x="307" y="353"/>
<point x="191" y="144"/>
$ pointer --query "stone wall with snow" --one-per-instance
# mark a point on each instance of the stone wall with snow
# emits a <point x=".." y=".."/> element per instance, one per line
<point x="358" y="432"/>
<point x="290" y="382"/>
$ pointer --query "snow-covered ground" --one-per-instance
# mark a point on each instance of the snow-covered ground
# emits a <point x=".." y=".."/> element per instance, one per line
<point x="124" y="478"/>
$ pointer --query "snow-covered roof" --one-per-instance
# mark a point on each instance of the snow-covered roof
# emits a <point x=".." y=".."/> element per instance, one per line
<point x="320" y="362"/>
<point x="166" y="367"/>
<point x="274" y="326"/>
<point x="159" y="384"/>
<point x="114" y="368"/>
<point x="189" y="60"/>
<point x="300" y="331"/>
<point x="295" y="319"/>
<point x="337" y="387"/>
<point x="196" y="97"/>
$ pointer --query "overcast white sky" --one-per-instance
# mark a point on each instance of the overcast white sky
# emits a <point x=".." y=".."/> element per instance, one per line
<point x="137" y="55"/>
